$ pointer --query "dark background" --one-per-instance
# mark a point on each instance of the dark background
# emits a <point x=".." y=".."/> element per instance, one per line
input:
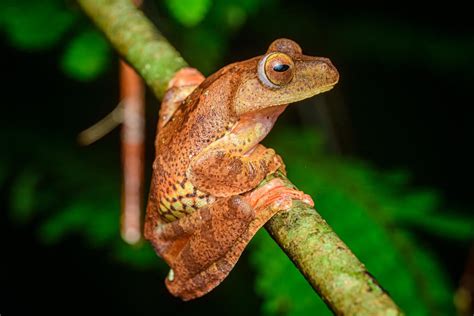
<point x="404" y="101"/>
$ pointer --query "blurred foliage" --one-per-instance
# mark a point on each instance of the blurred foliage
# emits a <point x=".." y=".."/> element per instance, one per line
<point x="203" y="36"/>
<point x="69" y="192"/>
<point x="86" y="55"/>
<point x="202" y="31"/>
<point x="188" y="12"/>
<point x="32" y="24"/>
<point x="39" y="25"/>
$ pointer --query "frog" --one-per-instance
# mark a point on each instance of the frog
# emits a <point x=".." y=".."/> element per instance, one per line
<point x="205" y="202"/>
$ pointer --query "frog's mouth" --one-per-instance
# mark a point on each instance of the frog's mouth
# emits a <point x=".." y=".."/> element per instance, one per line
<point x="255" y="126"/>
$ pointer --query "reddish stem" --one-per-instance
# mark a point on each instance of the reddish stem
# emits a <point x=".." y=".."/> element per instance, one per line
<point x="133" y="151"/>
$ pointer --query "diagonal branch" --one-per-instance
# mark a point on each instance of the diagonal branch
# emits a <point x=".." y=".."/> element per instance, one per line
<point x="327" y="263"/>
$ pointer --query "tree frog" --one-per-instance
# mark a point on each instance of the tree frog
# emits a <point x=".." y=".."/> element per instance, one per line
<point x="203" y="206"/>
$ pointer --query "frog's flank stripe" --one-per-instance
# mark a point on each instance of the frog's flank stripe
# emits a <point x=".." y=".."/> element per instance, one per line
<point x="182" y="198"/>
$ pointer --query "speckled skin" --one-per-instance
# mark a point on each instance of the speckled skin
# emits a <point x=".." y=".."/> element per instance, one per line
<point x="202" y="211"/>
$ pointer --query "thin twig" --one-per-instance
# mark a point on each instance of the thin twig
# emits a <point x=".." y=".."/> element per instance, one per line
<point x="102" y="127"/>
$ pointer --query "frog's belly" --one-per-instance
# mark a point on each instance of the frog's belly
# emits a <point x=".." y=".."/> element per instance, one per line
<point x="180" y="199"/>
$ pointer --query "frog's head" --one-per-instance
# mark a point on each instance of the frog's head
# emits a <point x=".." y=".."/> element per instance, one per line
<point x="283" y="75"/>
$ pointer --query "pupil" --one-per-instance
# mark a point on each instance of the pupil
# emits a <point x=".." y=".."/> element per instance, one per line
<point x="281" y="67"/>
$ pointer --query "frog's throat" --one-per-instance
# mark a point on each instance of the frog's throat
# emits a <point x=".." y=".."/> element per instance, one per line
<point x="257" y="124"/>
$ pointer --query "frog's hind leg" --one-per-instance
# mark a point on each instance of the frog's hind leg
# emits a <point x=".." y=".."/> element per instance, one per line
<point x="266" y="202"/>
<point x="179" y="88"/>
<point x="195" y="242"/>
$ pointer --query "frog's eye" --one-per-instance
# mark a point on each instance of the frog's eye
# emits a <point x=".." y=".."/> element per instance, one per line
<point x="276" y="70"/>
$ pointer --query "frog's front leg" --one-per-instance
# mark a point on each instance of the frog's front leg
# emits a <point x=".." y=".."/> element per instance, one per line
<point x="230" y="166"/>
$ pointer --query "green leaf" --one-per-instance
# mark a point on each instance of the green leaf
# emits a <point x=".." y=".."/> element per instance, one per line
<point x="31" y="24"/>
<point x="86" y="56"/>
<point x="188" y="12"/>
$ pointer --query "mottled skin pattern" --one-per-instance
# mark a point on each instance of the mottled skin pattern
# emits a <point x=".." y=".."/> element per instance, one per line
<point x="203" y="209"/>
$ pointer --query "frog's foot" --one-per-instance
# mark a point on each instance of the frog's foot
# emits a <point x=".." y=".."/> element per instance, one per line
<point x="276" y="195"/>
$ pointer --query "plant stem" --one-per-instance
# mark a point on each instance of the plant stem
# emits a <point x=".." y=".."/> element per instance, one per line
<point x="327" y="263"/>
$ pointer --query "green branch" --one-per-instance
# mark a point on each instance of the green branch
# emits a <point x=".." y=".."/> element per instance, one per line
<point x="327" y="263"/>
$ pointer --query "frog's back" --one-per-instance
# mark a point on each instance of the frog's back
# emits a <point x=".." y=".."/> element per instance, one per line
<point x="204" y="117"/>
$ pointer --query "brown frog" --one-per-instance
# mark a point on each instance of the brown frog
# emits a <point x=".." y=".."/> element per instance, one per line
<point x="203" y="207"/>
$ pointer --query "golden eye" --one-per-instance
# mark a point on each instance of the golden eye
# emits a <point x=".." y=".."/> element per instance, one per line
<point x="276" y="70"/>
